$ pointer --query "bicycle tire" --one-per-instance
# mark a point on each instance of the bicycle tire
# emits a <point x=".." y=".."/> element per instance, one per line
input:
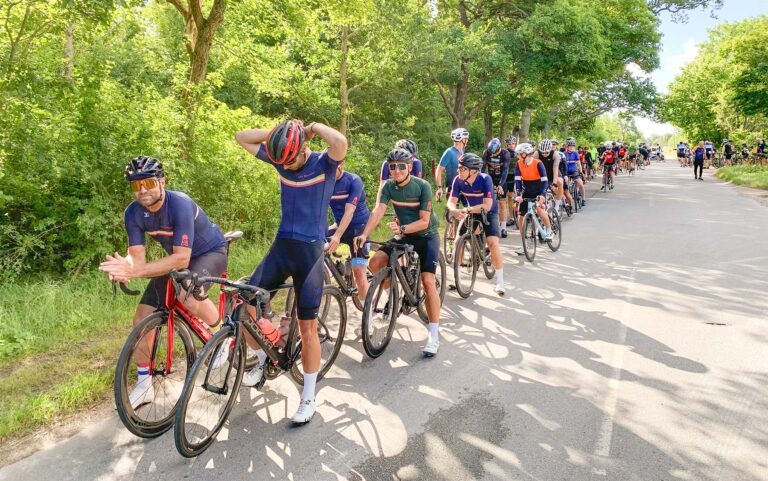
<point x="464" y="262"/>
<point x="529" y="237"/>
<point x="374" y="348"/>
<point x="331" y="329"/>
<point x="557" y="231"/>
<point x="488" y="268"/>
<point x="181" y="433"/>
<point x="440" y="281"/>
<point x="125" y="368"/>
<point x="449" y="246"/>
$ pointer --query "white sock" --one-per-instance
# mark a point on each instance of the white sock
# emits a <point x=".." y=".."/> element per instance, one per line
<point x="143" y="374"/>
<point x="310" y="379"/>
<point x="262" y="356"/>
<point x="503" y="225"/>
<point x="500" y="277"/>
<point x="434" y="334"/>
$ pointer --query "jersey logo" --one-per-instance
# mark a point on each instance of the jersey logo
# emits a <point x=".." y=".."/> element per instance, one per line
<point x="184" y="240"/>
<point x="354" y="201"/>
<point x="429" y="205"/>
<point x="146" y="214"/>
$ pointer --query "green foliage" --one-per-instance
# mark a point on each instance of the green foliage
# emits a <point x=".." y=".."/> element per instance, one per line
<point x="754" y="176"/>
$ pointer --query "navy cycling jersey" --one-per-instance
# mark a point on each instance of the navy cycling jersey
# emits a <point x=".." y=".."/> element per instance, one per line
<point x="349" y="190"/>
<point x="416" y="171"/>
<point x="571" y="162"/>
<point x="698" y="153"/>
<point x="497" y="167"/>
<point x="179" y="222"/>
<point x="304" y="196"/>
<point x="450" y="161"/>
<point x="481" y="188"/>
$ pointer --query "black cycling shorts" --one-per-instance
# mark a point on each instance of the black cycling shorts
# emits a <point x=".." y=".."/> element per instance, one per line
<point x="522" y="208"/>
<point x="212" y="263"/>
<point x="303" y="262"/>
<point x="491" y="230"/>
<point x="428" y="249"/>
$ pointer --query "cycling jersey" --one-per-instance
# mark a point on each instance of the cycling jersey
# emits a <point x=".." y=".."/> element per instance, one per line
<point x="681" y="150"/>
<point x="530" y="179"/>
<point x="450" y="162"/>
<point x="417" y="170"/>
<point x="497" y="167"/>
<point x="709" y="147"/>
<point x="698" y="153"/>
<point x="571" y="163"/>
<point x="728" y="149"/>
<point x="179" y="222"/>
<point x="304" y="196"/>
<point x="481" y="188"/>
<point x="622" y="152"/>
<point x="408" y="201"/>
<point x="349" y="190"/>
<point x="608" y="157"/>
<point x="549" y="164"/>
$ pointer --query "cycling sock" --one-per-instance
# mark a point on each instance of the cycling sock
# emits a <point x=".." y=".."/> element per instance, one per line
<point x="310" y="379"/>
<point x="262" y="356"/>
<point x="434" y="333"/>
<point x="500" y="277"/>
<point x="143" y="372"/>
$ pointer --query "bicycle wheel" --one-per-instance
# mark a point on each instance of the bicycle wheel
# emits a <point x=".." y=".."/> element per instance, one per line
<point x="440" y="283"/>
<point x="148" y="344"/>
<point x="575" y="196"/>
<point x="488" y="268"/>
<point x="330" y="331"/>
<point x="209" y="394"/>
<point x="557" y="232"/>
<point x="380" y="312"/>
<point x="448" y="240"/>
<point x="464" y="266"/>
<point x="529" y="237"/>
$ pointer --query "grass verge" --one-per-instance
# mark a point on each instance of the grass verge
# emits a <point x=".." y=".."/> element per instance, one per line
<point x="753" y="176"/>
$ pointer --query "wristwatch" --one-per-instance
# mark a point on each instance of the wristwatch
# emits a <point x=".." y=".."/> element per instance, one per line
<point x="402" y="229"/>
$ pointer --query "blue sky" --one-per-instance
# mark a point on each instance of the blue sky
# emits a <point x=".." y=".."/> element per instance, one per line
<point x="679" y="43"/>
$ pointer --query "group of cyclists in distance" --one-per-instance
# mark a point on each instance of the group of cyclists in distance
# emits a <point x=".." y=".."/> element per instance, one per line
<point x="499" y="184"/>
<point x="704" y="153"/>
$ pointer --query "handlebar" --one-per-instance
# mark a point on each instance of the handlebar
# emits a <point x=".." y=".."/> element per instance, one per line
<point x="405" y="247"/>
<point x="197" y="281"/>
<point x="126" y="290"/>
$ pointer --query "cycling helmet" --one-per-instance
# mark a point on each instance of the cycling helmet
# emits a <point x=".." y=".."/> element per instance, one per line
<point x="471" y="161"/>
<point x="524" y="148"/>
<point x="571" y="142"/>
<point x="400" y="155"/>
<point x="143" y="167"/>
<point x="494" y="146"/>
<point x="285" y="141"/>
<point x="608" y="145"/>
<point x="510" y="139"/>
<point x="545" y="145"/>
<point x="459" y="134"/>
<point x="408" y="145"/>
<point x="725" y="141"/>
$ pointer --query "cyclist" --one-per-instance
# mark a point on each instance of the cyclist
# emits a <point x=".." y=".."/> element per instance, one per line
<point x="416" y="225"/>
<point x="551" y="161"/>
<point x="573" y="169"/>
<point x="744" y="152"/>
<point x="608" y="161"/>
<point x="186" y="234"/>
<point x="350" y="214"/>
<point x="681" y="153"/>
<point x="760" y="150"/>
<point x="307" y="181"/>
<point x="449" y="162"/>
<point x="496" y="164"/>
<point x="511" y="142"/>
<point x="479" y="190"/>
<point x="699" y="153"/>
<point x="530" y="185"/>
<point x="411" y="147"/>
<point x="709" y="151"/>
<point x="632" y="158"/>
<point x="727" y="151"/>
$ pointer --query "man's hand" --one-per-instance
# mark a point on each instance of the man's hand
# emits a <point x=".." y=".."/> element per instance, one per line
<point x="459" y="214"/>
<point x="439" y="194"/>
<point x="118" y="268"/>
<point x="394" y="227"/>
<point x="519" y="199"/>
<point x="499" y="189"/>
<point x="308" y="134"/>
<point x="333" y="243"/>
<point x="360" y="241"/>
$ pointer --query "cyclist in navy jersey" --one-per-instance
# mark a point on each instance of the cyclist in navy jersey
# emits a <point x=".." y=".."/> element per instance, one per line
<point x="449" y="162"/>
<point x="573" y="169"/>
<point x="496" y="164"/>
<point x="350" y="214"/>
<point x="307" y="180"/>
<point x="511" y="142"/>
<point x="699" y="152"/>
<point x="187" y="236"/>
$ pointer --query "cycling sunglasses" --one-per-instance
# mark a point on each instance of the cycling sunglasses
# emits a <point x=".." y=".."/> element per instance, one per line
<point x="397" y="166"/>
<point x="149" y="184"/>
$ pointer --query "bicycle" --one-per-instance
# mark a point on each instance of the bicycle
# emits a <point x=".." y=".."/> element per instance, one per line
<point x="164" y="341"/>
<point x="533" y="231"/>
<point x="607" y="179"/>
<point x="383" y="304"/>
<point x="213" y="387"/>
<point x="573" y="188"/>
<point x="470" y="254"/>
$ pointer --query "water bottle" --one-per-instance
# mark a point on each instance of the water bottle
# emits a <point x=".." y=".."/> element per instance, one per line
<point x="269" y="330"/>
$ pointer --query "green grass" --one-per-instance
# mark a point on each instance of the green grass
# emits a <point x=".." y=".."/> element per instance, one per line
<point x="60" y="339"/>
<point x="746" y="175"/>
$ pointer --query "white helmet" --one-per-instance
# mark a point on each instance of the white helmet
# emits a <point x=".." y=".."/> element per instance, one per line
<point x="545" y="145"/>
<point x="608" y="145"/>
<point x="459" y="134"/>
<point x="524" y="148"/>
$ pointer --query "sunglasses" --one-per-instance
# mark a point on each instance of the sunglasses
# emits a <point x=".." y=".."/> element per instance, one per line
<point x="148" y="184"/>
<point x="398" y="166"/>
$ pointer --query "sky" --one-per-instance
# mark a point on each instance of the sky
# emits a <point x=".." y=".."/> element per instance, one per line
<point x="679" y="46"/>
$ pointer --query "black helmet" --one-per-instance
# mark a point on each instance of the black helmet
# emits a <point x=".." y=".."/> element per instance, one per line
<point x="408" y="145"/>
<point x="143" y="167"/>
<point x="471" y="161"/>
<point x="400" y="155"/>
<point x="285" y="142"/>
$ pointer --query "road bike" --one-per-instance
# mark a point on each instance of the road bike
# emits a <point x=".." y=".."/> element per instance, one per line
<point x="534" y="232"/>
<point x="607" y="179"/>
<point x="471" y="252"/>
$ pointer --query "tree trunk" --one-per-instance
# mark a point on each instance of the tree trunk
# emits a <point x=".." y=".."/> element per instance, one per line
<point x="503" y="126"/>
<point x="69" y="53"/>
<point x="488" y="121"/>
<point x="525" y="125"/>
<point x="343" y="75"/>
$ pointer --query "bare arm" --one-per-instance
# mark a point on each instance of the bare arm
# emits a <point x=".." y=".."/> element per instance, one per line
<point x="251" y="139"/>
<point x="337" y="143"/>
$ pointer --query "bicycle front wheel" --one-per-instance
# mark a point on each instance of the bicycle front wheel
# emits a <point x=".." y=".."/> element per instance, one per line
<point x="210" y="393"/>
<point x="449" y="240"/>
<point x="557" y="233"/>
<point x="440" y="284"/>
<point x="148" y="346"/>
<point x="488" y="268"/>
<point x="529" y="237"/>
<point x="380" y="312"/>
<point x="331" y="326"/>
<point x="465" y="266"/>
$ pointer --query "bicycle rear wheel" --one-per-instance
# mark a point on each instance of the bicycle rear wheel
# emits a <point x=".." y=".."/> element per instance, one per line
<point x="380" y="312"/>
<point x="440" y="283"/>
<point x="331" y="326"/>
<point x="557" y="232"/>
<point x="449" y="243"/>
<point x="147" y="344"/>
<point x="488" y="268"/>
<point x="209" y="394"/>
<point x="465" y="266"/>
<point x="529" y="237"/>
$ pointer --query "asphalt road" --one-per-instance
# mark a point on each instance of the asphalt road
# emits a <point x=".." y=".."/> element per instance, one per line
<point x="636" y="352"/>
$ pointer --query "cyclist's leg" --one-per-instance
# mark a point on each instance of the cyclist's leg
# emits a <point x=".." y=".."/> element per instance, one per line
<point x="359" y="260"/>
<point x="429" y="258"/>
<point x="503" y="211"/>
<point x="542" y="212"/>
<point x="492" y="241"/>
<point x="209" y="264"/>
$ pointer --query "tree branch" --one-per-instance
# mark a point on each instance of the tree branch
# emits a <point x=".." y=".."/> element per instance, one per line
<point x="444" y="96"/>
<point x="196" y="12"/>
<point x="478" y="106"/>
<point x="177" y="3"/>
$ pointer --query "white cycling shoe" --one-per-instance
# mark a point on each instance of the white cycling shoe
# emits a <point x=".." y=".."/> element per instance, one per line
<point x="143" y="393"/>
<point x="254" y="376"/>
<point x="305" y="412"/>
<point x="431" y="348"/>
